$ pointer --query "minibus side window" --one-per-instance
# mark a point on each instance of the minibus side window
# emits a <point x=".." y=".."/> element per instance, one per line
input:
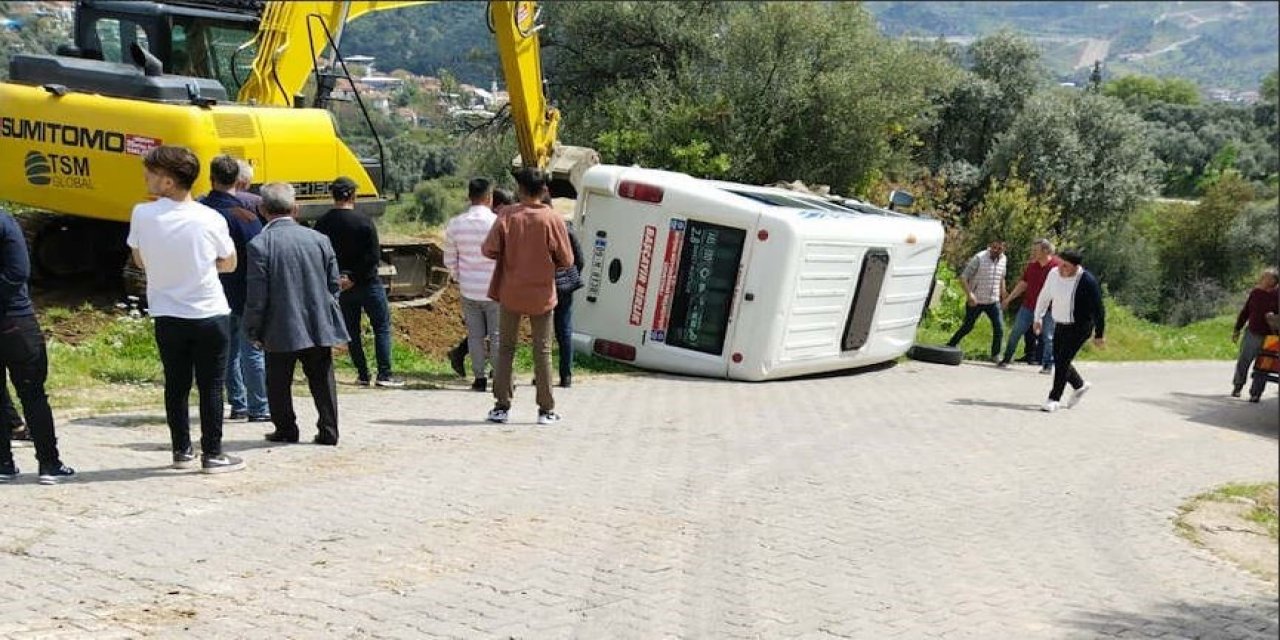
<point x="704" y="287"/>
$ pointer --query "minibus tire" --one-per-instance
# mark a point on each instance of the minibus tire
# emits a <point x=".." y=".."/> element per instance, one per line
<point x="937" y="354"/>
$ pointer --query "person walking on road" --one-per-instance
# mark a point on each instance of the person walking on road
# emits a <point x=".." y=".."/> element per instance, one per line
<point x="1263" y="299"/>
<point x="529" y="243"/>
<point x="246" y="370"/>
<point x="23" y="355"/>
<point x="1078" y="311"/>
<point x="983" y="280"/>
<point x="469" y="267"/>
<point x="1029" y="285"/>
<point x="292" y="313"/>
<point x="355" y="240"/>
<point x="182" y="246"/>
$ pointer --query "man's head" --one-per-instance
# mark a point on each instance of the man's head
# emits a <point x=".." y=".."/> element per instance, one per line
<point x="277" y="200"/>
<point x="344" y="191"/>
<point x="480" y="191"/>
<point x="1270" y="278"/>
<point x="1071" y="261"/>
<point x="1041" y="250"/>
<point x="532" y="183"/>
<point x="170" y="171"/>
<point x="996" y="249"/>
<point x="502" y="198"/>
<point x="245" y="177"/>
<point x="224" y="171"/>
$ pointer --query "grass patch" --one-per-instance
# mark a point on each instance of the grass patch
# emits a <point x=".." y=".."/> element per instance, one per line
<point x="1263" y="497"/>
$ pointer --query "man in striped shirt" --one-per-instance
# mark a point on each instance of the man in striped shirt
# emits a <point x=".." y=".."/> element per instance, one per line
<point x="983" y="280"/>
<point x="472" y="271"/>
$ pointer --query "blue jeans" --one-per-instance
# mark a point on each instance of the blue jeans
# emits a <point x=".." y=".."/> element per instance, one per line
<point x="971" y="317"/>
<point x="372" y="299"/>
<point x="246" y="374"/>
<point x="563" y="320"/>
<point x="1021" y="325"/>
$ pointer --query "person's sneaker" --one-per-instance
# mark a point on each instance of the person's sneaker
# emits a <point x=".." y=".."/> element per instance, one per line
<point x="362" y="382"/>
<point x="1077" y="394"/>
<point x="266" y="418"/>
<point x="54" y="475"/>
<point x="1047" y="369"/>
<point x="497" y="415"/>
<point x="8" y="471"/>
<point x="22" y="433"/>
<point x="457" y="360"/>
<point x="183" y="460"/>
<point x="480" y="384"/>
<point x="1049" y="406"/>
<point x="1255" y="398"/>
<point x="566" y="382"/>
<point x="1003" y="364"/>
<point x="278" y="436"/>
<point x="220" y="464"/>
<point x="237" y="416"/>
<point x="548" y="417"/>
<point x="390" y="383"/>
<point x="1235" y="391"/>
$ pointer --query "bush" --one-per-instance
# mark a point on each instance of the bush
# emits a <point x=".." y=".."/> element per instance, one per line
<point x="1010" y="212"/>
<point x="435" y="200"/>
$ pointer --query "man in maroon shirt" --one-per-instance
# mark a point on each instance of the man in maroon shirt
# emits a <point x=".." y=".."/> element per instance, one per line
<point x="1042" y="262"/>
<point x="1264" y="299"/>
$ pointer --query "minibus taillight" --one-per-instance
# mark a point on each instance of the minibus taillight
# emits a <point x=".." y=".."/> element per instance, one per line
<point x="640" y="191"/>
<point x="615" y="350"/>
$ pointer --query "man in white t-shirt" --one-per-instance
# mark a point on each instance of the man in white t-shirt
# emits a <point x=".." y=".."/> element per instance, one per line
<point x="472" y="271"/>
<point x="183" y="245"/>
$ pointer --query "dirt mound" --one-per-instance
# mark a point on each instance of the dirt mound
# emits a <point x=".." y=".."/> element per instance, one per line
<point x="434" y="329"/>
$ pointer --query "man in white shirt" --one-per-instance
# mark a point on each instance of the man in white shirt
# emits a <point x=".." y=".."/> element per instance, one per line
<point x="472" y="271"/>
<point x="183" y="246"/>
<point x="1078" y="312"/>
<point x="983" y="280"/>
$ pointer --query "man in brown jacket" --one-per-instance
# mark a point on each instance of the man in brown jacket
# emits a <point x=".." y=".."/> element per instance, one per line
<point x="529" y="242"/>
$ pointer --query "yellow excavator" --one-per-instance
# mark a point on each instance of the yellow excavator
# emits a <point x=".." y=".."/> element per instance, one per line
<point x="242" y="77"/>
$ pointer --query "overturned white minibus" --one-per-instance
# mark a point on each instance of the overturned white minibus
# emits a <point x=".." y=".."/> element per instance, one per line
<point x="735" y="281"/>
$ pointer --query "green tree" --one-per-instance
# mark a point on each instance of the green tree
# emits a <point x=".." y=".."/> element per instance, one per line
<point x="1011" y="212"/>
<point x="406" y="159"/>
<point x="1196" y="242"/>
<point x="1138" y="90"/>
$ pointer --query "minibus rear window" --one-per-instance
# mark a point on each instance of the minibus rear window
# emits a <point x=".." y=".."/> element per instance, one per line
<point x="704" y="288"/>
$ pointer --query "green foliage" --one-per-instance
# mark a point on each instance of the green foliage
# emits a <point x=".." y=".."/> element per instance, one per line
<point x="424" y="39"/>
<point x="1138" y="90"/>
<point x="436" y="200"/>
<point x="1010" y="212"/>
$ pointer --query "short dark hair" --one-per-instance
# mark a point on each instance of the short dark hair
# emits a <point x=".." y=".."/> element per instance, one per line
<point x="343" y="189"/>
<point x="479" y="188"/>
<point x="502" y="197"/>
<point x="1073" y="256"/>
<point x="176" y="162"/>
<point x="532" y="180"/>
<point x="224" y="171"/>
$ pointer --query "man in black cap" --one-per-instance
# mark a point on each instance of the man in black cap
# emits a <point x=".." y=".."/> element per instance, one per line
<point x="355" y="241"/>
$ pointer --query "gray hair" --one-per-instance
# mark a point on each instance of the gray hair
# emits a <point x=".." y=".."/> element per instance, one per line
<point x="277" y="198"/>
<point x="1045" y="244"/>
<point x="1273" y="273"/>
<point x="246" y="171"/>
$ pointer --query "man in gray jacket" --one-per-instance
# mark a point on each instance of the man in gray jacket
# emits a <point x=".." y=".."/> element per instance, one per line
<point x="291" y="311"/>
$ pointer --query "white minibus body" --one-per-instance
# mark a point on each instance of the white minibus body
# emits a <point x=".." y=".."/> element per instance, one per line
<point x="743" y="282"/>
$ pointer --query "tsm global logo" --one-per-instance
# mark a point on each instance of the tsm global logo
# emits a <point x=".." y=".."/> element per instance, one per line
<point x="56" y="170"/>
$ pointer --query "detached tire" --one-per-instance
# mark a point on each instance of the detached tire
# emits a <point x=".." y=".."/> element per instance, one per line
<point x="937" y="354"/>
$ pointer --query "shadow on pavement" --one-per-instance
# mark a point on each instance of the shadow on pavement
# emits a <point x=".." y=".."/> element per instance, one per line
<point x="228" y="445"/>
<point x="972" y="402"/>
<point x="127" y="474"/>
<point x="1233" y="620"/>
<point x="125" y="420"/>
<point x="1223" y="411"/>
<point x="438" y="422"/>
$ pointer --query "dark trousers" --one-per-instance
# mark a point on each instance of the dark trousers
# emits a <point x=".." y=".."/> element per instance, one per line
<point x="371" y="299"/>
<point x="317" y="366"/>
<point x="1067" y="341"/>
<point x="971" y="317"/>
<point x="22" y="353"/>
<point x="188" y="345"/>
<point x="9" y="417"/>
<point x="563" y="321"/>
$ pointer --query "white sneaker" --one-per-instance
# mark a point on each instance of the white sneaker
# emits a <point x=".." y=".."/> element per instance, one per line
<point x="1077" y="394"/>
<point x="1049" y="406"/>
<point x="550" y="417"/>
<point x="497" y="415"/>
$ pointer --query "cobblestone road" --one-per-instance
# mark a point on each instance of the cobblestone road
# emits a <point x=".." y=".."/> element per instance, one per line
<point x="914" y="502"/>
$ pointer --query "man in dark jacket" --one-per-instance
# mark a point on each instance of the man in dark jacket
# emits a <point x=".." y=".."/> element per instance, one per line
<point x="246" y="370"/>
<point x="1077" y="312"/>
<point x="292" y="313"/>
<point x="22" y="353"/>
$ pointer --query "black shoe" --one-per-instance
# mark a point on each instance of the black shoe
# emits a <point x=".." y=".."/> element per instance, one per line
<point x="1255" y="398"/>
<point x="220" y="464"/>
<point x="8" y="471"/>
<point x="362" y="382"/>
<point x="389" y="382"/>
<point x="321" y="440"/>
<point x="238" y="415"/>
<point x="1235" y="391"/>
<point x="184" y="459"/>
<point x="277" y="436"/>
<point x="480" y="384"/>
<point x="457" y="360"/>
<point x="567" y="382"/>
<point x="266" y="418"/>
<point x="20" y="433"/>
<point x="52" y="475"/>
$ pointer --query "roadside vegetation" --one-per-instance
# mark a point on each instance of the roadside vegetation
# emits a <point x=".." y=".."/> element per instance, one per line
<point x="1238" y="522"/>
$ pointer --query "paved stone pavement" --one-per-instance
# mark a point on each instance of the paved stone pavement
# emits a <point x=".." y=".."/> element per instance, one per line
<point x="917" y="501"/>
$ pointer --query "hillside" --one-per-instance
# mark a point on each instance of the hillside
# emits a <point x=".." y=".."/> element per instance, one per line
<point x="1230" y="45"/>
